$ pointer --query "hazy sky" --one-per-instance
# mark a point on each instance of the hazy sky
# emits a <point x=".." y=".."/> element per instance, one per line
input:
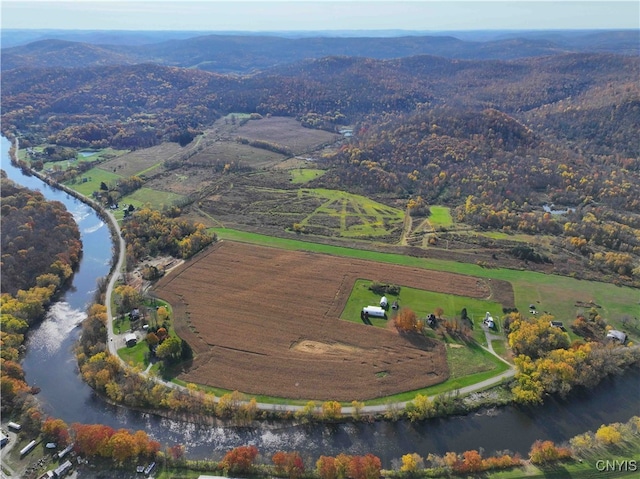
<point x="270" y="15"/>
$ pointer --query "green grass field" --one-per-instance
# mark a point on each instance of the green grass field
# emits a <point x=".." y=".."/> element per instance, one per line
<point x="304" y="175"/>
<point x="468" y="359"/>
<point x="153" y="198"/>
<point x="94" y="177"/>
<point x="135" y="355"/>
<point x="440" y="216"/>
<point x="422" y="303"/>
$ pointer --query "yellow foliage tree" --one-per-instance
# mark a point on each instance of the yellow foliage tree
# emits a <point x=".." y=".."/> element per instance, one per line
<point x="411" y="463"/>
<point x="331" y="410"/>
<point x="609" y="435"/>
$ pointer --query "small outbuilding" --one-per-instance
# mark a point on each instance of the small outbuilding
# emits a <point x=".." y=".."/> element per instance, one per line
<point x="14" y="426"/>
<point x="375" y="311"/>
<point x="488" y="321"/>
<point x="131" y="339"/>
<point x="617" y="336"/>
<point x="384" y="302"/>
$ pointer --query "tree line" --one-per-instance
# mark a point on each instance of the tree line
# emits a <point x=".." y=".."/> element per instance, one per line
<point x="126" y="448"/>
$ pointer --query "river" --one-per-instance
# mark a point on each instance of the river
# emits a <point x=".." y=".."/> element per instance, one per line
<point x="49" y="363"/>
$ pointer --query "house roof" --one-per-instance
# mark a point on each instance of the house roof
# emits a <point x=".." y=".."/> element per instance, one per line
<point x="619" y="335"/>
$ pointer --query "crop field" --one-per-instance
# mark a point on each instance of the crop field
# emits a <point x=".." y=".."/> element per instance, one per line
<point x="142" y="161"/>
<point x="286" y="132"/>
<point x="265" y="321"/>
<point x="226" y="152"/>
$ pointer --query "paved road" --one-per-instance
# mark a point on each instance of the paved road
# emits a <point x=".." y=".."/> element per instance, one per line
<point x="113" y="341"/>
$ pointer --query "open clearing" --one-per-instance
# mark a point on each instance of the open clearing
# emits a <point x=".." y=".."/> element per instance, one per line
<point x="287" y="132"/>
<point x="265" y="321"/>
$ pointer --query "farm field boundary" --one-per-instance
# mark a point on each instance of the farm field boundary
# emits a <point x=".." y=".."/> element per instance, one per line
<point x="265" y="321"/>
<point x="559" y="295"/>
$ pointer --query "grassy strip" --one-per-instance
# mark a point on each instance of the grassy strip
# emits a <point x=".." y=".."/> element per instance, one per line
<point x="468" y="359"/>
<point x="570" y="469"/>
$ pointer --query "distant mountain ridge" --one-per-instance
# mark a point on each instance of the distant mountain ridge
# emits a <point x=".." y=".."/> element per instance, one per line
<point x="250" y="53"/>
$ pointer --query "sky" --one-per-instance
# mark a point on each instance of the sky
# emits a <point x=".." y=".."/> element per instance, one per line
<point x="314" y="15"/>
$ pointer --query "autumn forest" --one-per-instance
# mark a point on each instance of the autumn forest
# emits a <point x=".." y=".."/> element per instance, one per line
<point x="528" y="147"/>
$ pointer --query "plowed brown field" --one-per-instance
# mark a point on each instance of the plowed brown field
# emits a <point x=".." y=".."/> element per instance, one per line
<point x="265" y="321"/>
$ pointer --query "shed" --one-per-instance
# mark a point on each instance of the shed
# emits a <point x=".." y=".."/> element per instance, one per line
<point x="65" y="451"/>
<point x="488" y="320"/>
<point x="62" y="469"/>
<point x="14" y="425"/>
<point x="617" y="335"/>
<point x="131" y="339"/>
<point x="28" y="448"/>
<point x="375" y="311"/>
<point x="384" y="302"/>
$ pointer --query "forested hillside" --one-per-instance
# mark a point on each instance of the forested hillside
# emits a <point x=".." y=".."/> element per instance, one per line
<point x="243" y="53"/>
<point x="495" y="140"/>
<point x="40" y="240"/>
<point x="40" y="249"/>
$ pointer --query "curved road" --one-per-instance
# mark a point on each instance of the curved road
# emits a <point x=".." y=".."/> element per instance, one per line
<point x="112" y="338"/>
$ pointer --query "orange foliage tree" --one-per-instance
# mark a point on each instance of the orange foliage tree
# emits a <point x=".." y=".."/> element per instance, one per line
<point x="546" y="452"/>
<point x="326" y="467"/>
<point x="289" y="464"/>
<point x="56" y="430"/>
<point x="406" y="320"/>
<point x="239" y="459"/>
